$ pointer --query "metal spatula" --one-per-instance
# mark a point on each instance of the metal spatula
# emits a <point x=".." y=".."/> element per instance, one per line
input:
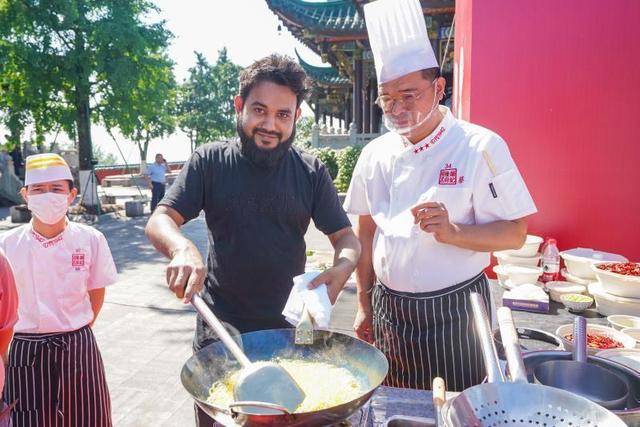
<point x="258" y="382"/>
<point x="304" y="329"/>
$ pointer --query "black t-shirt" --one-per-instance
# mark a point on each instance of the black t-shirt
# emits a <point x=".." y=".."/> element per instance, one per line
<point x="257" y="218"/>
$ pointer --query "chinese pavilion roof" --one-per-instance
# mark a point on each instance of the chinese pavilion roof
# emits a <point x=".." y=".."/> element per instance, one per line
<point x="331" y="18"/>
<point x="328" y="76"/>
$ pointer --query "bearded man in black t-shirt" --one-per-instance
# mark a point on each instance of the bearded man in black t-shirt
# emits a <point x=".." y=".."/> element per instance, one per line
<point x="258" y="195"/>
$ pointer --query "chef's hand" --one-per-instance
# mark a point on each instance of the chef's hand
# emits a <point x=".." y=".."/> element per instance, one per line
<point x="335" y="278"/>
<point x="363" y="325"/>
<point x="434" y="218"/>
<point x="186" y="273"/>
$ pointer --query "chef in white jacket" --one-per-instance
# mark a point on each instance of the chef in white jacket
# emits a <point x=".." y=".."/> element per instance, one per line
<point x="434" y="197"/>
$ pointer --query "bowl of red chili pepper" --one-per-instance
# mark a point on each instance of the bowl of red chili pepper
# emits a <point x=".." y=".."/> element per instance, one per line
<point x="619" y="278"/>
<point x="598" y="338"/>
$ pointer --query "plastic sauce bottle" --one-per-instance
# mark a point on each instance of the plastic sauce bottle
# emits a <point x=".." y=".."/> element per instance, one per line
<point x="550" y="261"/>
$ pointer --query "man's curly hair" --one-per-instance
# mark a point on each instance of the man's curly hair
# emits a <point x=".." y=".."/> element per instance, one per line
<point x="279" y="69"/>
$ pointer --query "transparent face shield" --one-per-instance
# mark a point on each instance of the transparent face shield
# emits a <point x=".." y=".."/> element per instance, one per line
<point x="399" y="114"/>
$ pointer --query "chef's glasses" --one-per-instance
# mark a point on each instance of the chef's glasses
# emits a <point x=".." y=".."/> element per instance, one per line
<point x="405" y="119"/>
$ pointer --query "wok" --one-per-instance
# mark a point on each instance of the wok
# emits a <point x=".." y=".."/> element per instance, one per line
<point x="212" y="363"/>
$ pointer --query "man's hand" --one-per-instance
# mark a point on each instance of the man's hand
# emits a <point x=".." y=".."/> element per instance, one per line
<point x="434" y="218"/>
<point x="186" y="273"/>
<point x="363" y="325"/>
<point x="335" y="278"/>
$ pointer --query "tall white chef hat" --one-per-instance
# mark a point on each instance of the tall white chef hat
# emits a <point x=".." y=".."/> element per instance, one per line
<point x="398" y="38"/>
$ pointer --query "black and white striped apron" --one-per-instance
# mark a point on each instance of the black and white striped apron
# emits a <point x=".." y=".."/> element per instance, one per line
<point x="58" y="380"/>
<point x="424" y="335"/>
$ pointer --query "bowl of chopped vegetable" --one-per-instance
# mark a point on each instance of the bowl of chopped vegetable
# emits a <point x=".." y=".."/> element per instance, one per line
<point x="619" y="278"/>
<point x="598" y="338"/>
<point x="576" y="303"/>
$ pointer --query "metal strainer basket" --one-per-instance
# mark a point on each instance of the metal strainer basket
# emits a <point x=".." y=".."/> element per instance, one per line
<point x="517" y="403"/>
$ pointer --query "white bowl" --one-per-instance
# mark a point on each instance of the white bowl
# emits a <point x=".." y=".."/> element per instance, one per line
<point x="501" y="274"/>
<point x="622" y="321"/>
<point x="578" y="261"/>
<point x="505" y="259"/>
<point x="617" y="284"/>
<point x="633" y="333"/>
<point x="574" y="279"/>
<point x="625" y="340"/>
<point x="558" y="288"/>
<point x="509" y="285"/>
<point x="627" y="357"/>
<point x="529" y="249"/>
<point x="576" y="306"/>
<point x="609" y="305"/>
<point x="521" y="274"/>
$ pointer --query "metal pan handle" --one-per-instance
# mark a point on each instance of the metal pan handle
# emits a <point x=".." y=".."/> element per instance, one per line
<point x="483" y="329"/>
<point x="215" y="324"/>
<point x="511" y="345"/>
<point x="580" y="339"/>
<point x="255" y="404"/>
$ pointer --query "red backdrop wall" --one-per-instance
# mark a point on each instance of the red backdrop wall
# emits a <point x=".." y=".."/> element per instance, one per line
<point x="560" y="81"/>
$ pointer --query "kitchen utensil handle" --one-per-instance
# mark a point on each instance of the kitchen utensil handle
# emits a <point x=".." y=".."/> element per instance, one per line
<point x="487" y="158"/>
<point x="580" y="339"/>
<point x="511" y="346"/>
<point x="219" y="329"/>
<point x="483" y="329"/>
<point x="253" y="404"/>
<point x="438" y="390"/>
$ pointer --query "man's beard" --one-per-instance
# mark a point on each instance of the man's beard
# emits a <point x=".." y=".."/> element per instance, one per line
<point x="260" y="156"/>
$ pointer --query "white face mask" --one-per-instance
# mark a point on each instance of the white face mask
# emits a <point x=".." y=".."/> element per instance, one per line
<point x="49" y="208"/>
<point x="413" y="119"/>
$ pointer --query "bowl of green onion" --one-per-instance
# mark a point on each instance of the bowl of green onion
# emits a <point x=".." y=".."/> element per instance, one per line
<point x="576" y="303"/>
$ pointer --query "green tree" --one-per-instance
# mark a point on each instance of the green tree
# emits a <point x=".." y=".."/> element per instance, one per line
<point x="25" y="96"/>
<point x="303" y="132"/>
<point x="104" y="159"/>
<point x="205" y="99"/>
<point x="75" y="54"/>
<point x="347" y="159"/>
<point x="148" y="111"/>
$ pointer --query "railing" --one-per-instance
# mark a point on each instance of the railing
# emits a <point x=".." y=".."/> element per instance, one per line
<point x="104" y="171"/>
<point x="324" y="137"/>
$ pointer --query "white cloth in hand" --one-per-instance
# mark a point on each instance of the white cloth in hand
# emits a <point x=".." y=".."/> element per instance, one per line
<point x="317" y="301"/>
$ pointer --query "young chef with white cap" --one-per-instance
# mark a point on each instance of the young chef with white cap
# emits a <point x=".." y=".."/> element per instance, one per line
<point x="61" y="268"/>
<point x="434" y="196"/>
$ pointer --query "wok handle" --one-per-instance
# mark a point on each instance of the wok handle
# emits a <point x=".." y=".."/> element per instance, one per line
<point x="580" y="339"/>
<point x="438" y="391"/>
<point x="220" y="330"/>
<point x="483" y="329"/>
<point x="511" y="345"/>
<point x="255" y="404"/>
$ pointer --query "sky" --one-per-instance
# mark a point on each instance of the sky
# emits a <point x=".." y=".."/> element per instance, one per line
<point x="247" y="28"/>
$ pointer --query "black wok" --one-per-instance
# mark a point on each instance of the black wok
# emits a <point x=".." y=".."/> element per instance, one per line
<point x="213" y="362"/>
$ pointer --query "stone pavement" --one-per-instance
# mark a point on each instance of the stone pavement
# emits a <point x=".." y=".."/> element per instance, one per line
<point x="145" y="333"/>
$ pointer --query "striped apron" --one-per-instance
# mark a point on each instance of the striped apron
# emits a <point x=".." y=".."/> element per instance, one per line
<point x="424" y="335"/>
<point x="58" y="380"/>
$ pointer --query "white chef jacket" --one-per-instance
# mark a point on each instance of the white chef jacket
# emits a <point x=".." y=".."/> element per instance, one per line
<point x="53" y="276"/>
<point x="392" y="175"/>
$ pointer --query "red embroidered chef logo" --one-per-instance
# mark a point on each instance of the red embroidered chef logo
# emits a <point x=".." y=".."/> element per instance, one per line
<point x="77" y="260"/>
<point x="448" y="175"/>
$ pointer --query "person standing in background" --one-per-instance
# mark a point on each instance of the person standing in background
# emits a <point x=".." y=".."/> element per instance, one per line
<point x="156" y="177"/>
